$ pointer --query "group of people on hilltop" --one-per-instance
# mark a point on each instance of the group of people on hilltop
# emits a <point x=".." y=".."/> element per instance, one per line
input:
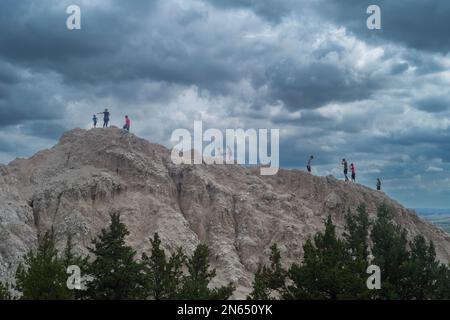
<point x="106" y="115"/>
<point x="344" y="163"/>
<point x="352" y="169"/>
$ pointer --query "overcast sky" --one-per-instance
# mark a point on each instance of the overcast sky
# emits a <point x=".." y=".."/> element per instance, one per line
<point x="335" y="89"/>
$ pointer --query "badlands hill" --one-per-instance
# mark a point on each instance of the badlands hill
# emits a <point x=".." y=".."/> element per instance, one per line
<point x="74" y="186"/>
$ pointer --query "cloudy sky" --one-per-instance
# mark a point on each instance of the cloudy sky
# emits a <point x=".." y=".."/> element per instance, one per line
<point x="335" y="89"/>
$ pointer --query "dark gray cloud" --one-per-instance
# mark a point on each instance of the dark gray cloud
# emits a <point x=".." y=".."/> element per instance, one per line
<point x="272" y="10"/>
<point x="417" y="24"/>
<point x="399" y="68"/>
<point x="29" y="99"/>
<point x="316" y="84"/>
<point x="310" y="68"/>
<point x="434" y="104"/>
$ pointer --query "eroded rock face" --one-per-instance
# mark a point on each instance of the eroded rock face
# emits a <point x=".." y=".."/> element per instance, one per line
<point x="74" y="186"/>
<point x="17" y="229"/>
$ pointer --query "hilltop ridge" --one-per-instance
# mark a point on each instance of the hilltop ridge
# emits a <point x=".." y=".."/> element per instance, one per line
<point x="75" y="185"/>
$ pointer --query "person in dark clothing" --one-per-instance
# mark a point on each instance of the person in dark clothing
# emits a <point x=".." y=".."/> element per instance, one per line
<point x="345" y="164"/>
<point x="105" y="118"/>
<point x="353" y="170"/>
<point x="378" y="184"/>
<point x="94" y="119"/>
<point x="308" y="165"/>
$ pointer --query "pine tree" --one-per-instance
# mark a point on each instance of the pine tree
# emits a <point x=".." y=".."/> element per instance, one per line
<point x="324" y="272"/>
<point x="162" y="277"/>
<point x="4" y="292"/>
<point x="356" y="242"/>
<point x="390" y="254"/>
<point x="115" y="273"/>
<point x="269" y="281"/>
<point x="443" y="283"/>
<point x="356" y="233"/>
<point x="422" y="271"/>
<point x="334" y="268"/>
<point x="42" y="275"/>
<point x="195" y="284"/>
<point x="70" y="258"/>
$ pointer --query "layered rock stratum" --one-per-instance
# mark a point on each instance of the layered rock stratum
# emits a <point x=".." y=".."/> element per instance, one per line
<point x="74" y="187"/>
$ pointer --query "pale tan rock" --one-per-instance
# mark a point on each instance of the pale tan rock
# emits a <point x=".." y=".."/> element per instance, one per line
<point x="74" y="186"/>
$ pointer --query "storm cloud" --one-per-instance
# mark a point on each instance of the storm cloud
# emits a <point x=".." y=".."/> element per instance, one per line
<point x="335" y="89"/>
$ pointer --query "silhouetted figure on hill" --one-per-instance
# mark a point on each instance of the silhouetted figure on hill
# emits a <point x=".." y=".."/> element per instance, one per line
<point x="378" y="184"/>
<point x="94" y="119"/>
<point x="308" y="165"/>
<point x="105" y="117"/>
<point x="345" y="164"/>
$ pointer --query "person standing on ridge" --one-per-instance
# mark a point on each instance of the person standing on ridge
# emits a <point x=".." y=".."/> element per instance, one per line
<point x="94" y="119"/>
<point x="105" y="117"/>
<point x="308" y="165"/>
<point x="127" y="124"/>
<point x="353" y="170"/>
<point x="345" y="164"/>
<point x="378" y="184"/>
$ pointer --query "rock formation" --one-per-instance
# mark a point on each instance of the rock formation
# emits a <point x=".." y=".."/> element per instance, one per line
<point x="74" y="186"/>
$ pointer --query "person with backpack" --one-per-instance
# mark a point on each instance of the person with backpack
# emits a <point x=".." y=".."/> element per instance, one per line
<point x="308" y="165"/>
<point x="105" y="117"/>
<point x="345" y="164"/>
<point x="353" y="170"/>
<point x="378" y="184"/>
<point x="127" y="124"/>
<point x="94" y="119"/>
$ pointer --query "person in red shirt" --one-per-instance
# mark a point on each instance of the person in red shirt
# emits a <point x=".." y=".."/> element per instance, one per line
<point x="353" y="169"/>
<point x="127" y="124"/>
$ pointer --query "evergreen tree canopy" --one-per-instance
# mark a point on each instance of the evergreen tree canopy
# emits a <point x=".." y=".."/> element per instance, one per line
<point x="42" y="275"/>
<point x="270" y="279"/>
<point x="332" y="267"/>
<point x="195" y="284"/>
<point x="390" y="254"/>
<point x="70" y="258"/>
<point x="422" y="269"/>
<point x="356" y="233"/>
<point x="116" y="275"/>
<point x="324" y="272"/>
<point x="443" y="283"/>
<point x="162" y="276"/>
<point x="356" y="241"/>
<point x="4" y="292"/>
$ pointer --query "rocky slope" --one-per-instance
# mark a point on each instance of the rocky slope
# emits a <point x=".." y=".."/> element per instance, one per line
<point x="74" y="186"/>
